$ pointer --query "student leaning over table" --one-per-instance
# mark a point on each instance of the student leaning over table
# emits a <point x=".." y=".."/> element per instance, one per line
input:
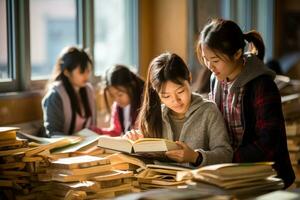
<point x="171" y="111"/>
<point x="126" y="90"/>
<point x="246" y="94"/>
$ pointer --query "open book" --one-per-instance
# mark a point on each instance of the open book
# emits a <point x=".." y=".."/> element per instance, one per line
<point x="143" y="145"/>
<point x="89" y="140"/>
<point x="79" y="141"/>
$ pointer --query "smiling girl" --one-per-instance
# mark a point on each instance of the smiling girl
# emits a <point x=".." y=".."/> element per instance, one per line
<point x="244" y="90"/>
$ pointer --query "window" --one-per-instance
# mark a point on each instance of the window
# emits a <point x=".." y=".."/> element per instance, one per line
<point x="52" y="27"/>
<point x="115" y="25"/>
<point x="4" y="69"/>
<point x="33" y="33"/>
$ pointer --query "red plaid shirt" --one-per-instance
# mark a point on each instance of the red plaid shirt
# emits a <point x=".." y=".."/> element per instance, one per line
<point x="232" y="114"/>
<point x="264" y="137"/>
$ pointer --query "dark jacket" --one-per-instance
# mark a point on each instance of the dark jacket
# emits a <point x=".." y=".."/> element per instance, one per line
<point x="264" y="136"/>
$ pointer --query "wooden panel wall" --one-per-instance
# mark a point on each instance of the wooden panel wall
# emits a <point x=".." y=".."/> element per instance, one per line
<point x="14" y="110"/>
<point x="163" y="27"/>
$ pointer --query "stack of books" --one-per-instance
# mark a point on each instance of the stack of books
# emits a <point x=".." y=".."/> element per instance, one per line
<point x="77" y="168"/>
<point x="86" y="176"/>
<point x="160" y="176"/>
<point x="290" y="107"/>
<point x="120" y="161"/>
<point x="113" y="183"/>
<point x="237" y="178"/>
<point x="12" y="170"/>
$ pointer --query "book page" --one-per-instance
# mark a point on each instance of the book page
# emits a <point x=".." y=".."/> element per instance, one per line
<point x="154" y="145"/>
<point x="87" y="137"/>
<point x="115" y="143"/>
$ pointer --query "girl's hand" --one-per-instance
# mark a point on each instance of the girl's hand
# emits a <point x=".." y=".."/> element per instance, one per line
<point x="186" y="154"/>
<point x="133" y="135"/>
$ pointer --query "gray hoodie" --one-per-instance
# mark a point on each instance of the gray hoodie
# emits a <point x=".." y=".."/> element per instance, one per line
<point x="204" y="130"/>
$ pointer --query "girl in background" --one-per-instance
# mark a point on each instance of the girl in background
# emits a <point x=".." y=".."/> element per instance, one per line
<point x="244" y="90"/>
<point x="126" y="89"/>
<point x="171" y="111"/>
<point x="69" y="104"/>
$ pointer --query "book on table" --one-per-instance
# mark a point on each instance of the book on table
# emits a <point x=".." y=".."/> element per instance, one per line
<point x="231" y="171"/>
<point x="89" y="140"/>
<point x="236" y="177"/>
<point x="143" y="145"/>
<point x="8" y="133"/>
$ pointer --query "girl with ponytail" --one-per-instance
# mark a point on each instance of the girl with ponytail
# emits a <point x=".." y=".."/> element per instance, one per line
<point x="244" y="90"/>
<point x="171" y="111"/>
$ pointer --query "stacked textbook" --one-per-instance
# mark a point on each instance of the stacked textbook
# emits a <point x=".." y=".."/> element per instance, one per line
<point x="159" y="176"/>
<point x="85" y="177"/>
<point x="237" y="178"/>
<point x="12" y="169"/>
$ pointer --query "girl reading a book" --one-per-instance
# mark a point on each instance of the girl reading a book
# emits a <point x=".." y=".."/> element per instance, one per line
<point x="244" y="90"/>
<point x="126" y="89"/>
<point x="69" y="104"/>
<point x="171" y="111"/>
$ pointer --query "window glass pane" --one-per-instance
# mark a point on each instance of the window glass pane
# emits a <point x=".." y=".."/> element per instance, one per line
<point x="4" y="70"/>
<point x="52" y="27"/>
<point x="114" y="34"/>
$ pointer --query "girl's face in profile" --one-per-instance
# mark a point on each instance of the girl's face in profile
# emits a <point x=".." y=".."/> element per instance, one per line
<point x="220" y="65"/>
<point x="176" y="97"/>
<point x="120" y="95"/>
<point x="77" y="78"/>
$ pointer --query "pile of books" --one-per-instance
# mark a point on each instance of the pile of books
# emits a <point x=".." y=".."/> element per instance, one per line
<point x="237" y="178"/>
<point x="291" y="110"/>
<point x="31" y="170"/>
<point x="86" y="177"/>
<point x="77" y="168"/>
<point x="290" y="106"/>
<point x="13" y="174"/>
<point x="160" y="176"/>
<point x="120" y="161"/>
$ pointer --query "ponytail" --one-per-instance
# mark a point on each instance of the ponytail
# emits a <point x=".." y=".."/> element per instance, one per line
<point x="150" y="119"/>
<point x="226" y="37"/>
<point x="258" y="47"/>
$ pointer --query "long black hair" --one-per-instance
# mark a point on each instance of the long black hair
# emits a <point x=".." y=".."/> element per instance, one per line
<point x="226" y="37"/>
<point x="120" y="76"/>
<point x="70" y="59"/>
<point x="163" y="68"/>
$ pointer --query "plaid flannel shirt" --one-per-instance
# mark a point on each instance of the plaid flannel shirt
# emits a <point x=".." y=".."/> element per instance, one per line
<point x="264" y="137"/>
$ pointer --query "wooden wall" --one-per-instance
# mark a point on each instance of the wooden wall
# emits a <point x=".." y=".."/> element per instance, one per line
<point x="20" y="108"/>
<point x="163" y="27"/>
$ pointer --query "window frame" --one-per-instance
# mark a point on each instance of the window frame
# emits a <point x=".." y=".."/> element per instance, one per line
<point x="18" y="34"/>
<point x="10" y="85"/>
